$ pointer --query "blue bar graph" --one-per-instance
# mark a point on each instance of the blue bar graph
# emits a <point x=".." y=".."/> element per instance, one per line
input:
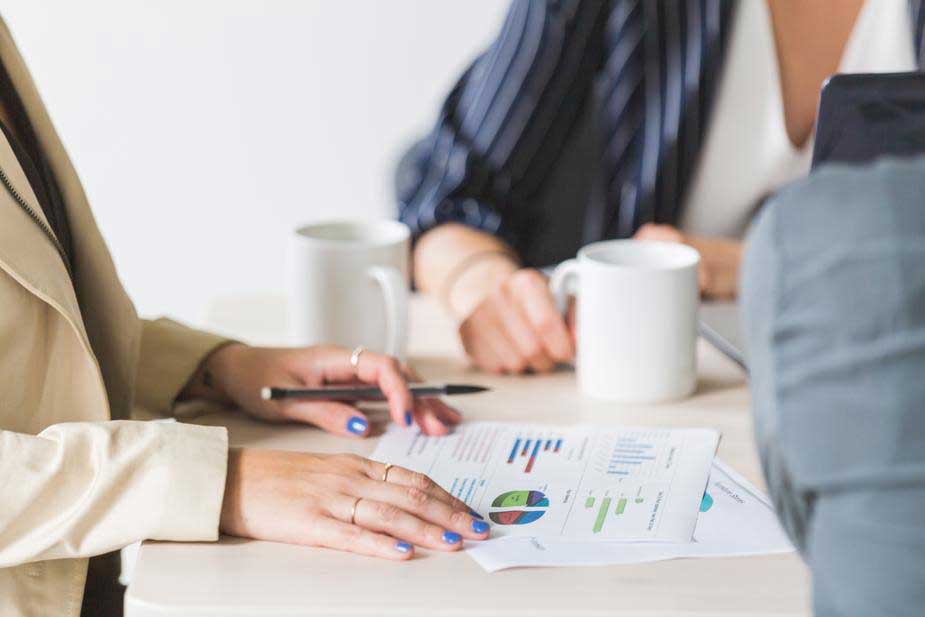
<point x="533" y="448"/>
<point x="510" y="459"/>
<point x="536" y="448"/>
<point x="628" y="455"/>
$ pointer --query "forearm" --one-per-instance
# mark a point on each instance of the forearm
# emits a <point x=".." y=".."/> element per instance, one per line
<point x="460" y="265"/>
<point x="84" y="488"/>
<point x="205" y="382"/>
<point x="170" y="359"/>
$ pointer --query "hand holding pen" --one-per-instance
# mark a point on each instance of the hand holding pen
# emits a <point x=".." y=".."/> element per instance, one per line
<point x="239" y="373"/>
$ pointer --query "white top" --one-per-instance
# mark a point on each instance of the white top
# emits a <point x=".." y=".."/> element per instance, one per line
<point x="747" y="154"/>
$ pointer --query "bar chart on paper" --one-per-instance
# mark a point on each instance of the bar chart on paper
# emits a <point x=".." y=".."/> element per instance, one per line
<point x="615" y="505"/>
<point x="526" y="450"/>
<point x="642" y="454"/>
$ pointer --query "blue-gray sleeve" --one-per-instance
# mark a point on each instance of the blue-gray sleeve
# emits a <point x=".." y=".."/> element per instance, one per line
<point x="833" y="296"/>
<point x="503" y="125"/>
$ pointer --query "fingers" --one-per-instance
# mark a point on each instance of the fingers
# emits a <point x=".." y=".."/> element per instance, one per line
<point x="417" y="502"/>
<point x="525" y="337"/>
<point x="405" y="477"/>
<point x="518" y="327"/>
<point x="386" y="372"/>
<point x="393" y="520"/>
<point x="434" y="416"/>
<point x="489" y="342"/>
<point x="660" y="233"/>
<point x="431" y="414"/>
<point x="372" y="368"/>
<point x="540" y="309"/>
<point x="336" y="418"/>
<point x="335" y="534"/>
<point x="476" y="333"/>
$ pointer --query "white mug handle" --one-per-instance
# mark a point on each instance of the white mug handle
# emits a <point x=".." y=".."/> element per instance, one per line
<point x="395" y="294"/>
<point x="561" y="283"/>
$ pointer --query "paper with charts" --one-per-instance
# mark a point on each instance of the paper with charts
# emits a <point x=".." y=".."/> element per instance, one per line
<point x="735" y="520"/>
<point x="588" y="482"/>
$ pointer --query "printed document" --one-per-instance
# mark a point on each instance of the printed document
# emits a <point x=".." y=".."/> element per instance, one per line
<point x="577" y="482"/>
<point x="735" y="520"/>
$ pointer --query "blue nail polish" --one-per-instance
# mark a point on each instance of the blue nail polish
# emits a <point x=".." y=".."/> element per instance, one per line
<point x="357" y="425"/>
<point x="451" y="537"/>
<point x="408" y="418"/>
<point x="403" y="547"/>
<point x="479" y="526"/>
<point x="476" y="514"/>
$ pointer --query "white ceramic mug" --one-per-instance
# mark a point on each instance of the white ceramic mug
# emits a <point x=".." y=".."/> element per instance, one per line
<point x="637" y="305"/>
<point x="349" y="285"/>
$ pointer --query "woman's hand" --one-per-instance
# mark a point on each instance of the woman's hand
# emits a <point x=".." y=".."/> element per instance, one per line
<point x="719" y="258"/>
<point x="309" y="499"/>
<point x="236" y="373"/>
<point x="517" y="327"/>
<point x="508" y="319"/>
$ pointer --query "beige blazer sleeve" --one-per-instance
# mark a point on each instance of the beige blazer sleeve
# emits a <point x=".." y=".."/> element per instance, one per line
<point x="84" y="488"/>
<point x="75" y="485"/>
<point x="170" y="354"/>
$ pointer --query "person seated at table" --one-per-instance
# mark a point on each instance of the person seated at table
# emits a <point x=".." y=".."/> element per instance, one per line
<point x="78" y="479"/>
<point x="833" y="296"/>
<point x="588" y="120"/>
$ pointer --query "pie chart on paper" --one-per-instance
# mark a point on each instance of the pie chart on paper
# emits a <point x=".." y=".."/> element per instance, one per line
<point x="518" y="507"/>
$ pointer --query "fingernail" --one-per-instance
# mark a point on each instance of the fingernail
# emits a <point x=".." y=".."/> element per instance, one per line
<point x="479" y="526"/>
<point x="408" y="418"/>
<point x="476" y="514"/>
<point x="451" y="537"/>
<point x="357" y="425"/>
<point x="403" y="547"/>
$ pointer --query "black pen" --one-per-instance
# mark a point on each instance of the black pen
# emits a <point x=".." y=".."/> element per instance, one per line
<point x="365" y="393"/>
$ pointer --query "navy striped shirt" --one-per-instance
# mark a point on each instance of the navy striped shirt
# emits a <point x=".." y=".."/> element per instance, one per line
<point x="584" y="120"/>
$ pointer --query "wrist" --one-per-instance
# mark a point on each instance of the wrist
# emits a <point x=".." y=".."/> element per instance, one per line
<point x="231" y="498"/>
<point x="213" y="376"/>
<point x="221" y="365"/>
<point x="477" y="280"/>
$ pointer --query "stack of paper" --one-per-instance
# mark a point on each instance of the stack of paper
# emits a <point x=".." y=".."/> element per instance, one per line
<point x="585" y="495"/>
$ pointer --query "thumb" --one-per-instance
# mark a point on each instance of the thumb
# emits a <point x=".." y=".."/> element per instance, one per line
<point x="333" y="417"/>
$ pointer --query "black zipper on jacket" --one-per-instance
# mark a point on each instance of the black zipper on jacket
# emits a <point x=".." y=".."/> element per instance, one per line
<point x="38" y="221"/>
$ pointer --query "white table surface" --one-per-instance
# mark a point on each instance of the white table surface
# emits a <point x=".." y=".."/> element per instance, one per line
<point x="238" y="577"/>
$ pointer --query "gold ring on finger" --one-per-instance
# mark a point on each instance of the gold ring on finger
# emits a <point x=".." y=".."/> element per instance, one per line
<point x="385" y="472"/>
<point x="355" y="359"/>
<point x="353" y="511"/>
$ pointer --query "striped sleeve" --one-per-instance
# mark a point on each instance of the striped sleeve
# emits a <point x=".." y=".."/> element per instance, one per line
<point x="502" y="127"/>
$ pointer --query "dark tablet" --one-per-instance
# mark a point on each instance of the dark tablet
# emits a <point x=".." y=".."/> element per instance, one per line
<point x="867" y="115"/>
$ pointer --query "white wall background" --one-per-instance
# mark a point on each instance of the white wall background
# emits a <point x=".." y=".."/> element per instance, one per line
<point x="205" y="130"/>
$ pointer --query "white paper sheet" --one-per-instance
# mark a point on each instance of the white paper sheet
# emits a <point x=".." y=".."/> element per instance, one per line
<point x="736" y="520"/>
<point x="576" y="482"/>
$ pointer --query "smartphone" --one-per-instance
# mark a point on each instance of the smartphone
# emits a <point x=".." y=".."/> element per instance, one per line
<point x="863" y="116"/>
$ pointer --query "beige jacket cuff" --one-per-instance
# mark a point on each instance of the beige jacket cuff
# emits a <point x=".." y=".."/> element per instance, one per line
<point x="170" y="354"/>
<point x="198" y="461"/>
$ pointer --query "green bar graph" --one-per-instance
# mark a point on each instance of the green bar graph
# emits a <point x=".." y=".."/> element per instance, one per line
<point x="589" y="502"/>
<point x="601" y="515"/>
<point x="621" y="505"/>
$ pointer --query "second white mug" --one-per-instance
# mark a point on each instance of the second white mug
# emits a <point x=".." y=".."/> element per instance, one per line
<point x="637" y="305"/>
<point x="349" y="285"/>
